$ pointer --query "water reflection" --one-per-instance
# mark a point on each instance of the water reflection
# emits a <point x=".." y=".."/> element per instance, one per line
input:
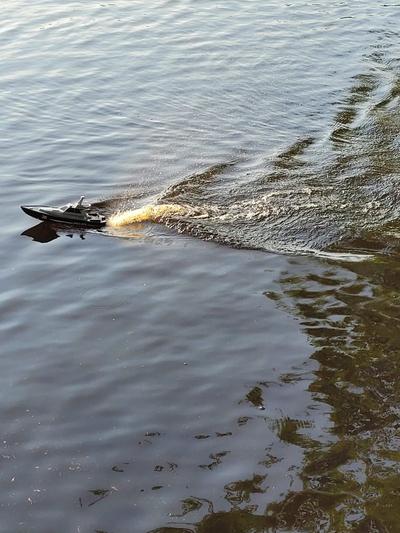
<point x="344" y="463"/>
<point x="46" y="232"/>
<point x="43" y="232"/>
<point x="351" y="460"/>
<point x="351" y="318"/>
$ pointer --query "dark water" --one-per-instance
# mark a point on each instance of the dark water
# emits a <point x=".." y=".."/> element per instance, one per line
<point x="174" y="375"/>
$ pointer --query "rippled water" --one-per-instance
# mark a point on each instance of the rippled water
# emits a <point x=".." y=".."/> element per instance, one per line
<point x="166" y="374"/>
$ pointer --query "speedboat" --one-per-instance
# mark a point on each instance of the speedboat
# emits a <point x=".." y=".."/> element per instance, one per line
<point x="80" y="213"/>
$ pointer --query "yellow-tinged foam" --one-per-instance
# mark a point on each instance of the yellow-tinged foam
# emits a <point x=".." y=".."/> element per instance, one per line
<point x="147" y="213"/>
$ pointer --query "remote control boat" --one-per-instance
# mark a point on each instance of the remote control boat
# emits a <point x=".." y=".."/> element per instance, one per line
<point x="81" y="214"/>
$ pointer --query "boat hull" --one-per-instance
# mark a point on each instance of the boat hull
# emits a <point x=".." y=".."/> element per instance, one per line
<point x="38" y="213"/>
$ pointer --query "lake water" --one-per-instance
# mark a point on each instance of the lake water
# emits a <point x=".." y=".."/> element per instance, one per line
<point x="224" y="356"/>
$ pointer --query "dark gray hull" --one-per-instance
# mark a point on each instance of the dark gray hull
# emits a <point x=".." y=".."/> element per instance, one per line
<point x="52" y="214"/>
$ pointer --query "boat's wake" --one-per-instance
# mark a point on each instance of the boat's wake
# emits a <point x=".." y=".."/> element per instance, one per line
<point x="337" y="194"/>
<point x="148" y="213"/>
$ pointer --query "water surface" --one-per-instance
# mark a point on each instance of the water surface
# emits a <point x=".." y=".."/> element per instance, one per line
<point x="227" y="361"/>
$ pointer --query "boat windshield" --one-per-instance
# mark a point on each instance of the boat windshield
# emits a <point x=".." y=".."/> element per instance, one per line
<point x="69" y="209"/>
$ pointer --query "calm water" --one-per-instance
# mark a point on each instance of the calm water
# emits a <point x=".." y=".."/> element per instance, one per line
<point x="225" y="358"/>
